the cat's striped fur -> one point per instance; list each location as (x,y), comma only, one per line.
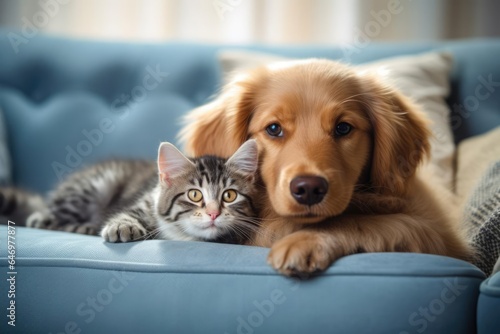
(16,205)
(135,200)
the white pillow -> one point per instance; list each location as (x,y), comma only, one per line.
(423,77)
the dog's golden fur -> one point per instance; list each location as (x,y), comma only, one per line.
(378,198)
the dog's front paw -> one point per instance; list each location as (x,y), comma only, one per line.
(301,254)
(122,229)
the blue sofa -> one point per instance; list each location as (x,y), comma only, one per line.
(67,103)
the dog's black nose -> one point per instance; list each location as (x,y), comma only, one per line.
(308,190)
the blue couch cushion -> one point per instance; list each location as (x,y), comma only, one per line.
(80,282)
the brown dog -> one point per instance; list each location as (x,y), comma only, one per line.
(339,154)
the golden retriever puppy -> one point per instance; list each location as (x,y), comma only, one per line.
(340,155)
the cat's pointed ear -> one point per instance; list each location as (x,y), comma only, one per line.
(171,162)
(246,158)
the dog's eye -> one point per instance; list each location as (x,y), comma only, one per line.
(275,130)
(342,129)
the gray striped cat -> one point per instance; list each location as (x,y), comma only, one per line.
(200,199)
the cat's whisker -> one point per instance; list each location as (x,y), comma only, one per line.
(246,222)
(181,224)
(240,231)
(151,234)
(251,228)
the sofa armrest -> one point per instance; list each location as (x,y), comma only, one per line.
(488,310)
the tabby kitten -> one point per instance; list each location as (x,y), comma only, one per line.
(200,199)
(16,205)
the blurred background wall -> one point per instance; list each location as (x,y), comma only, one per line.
(256,21)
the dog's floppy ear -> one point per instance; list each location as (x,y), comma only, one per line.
(400,138)
(221,126)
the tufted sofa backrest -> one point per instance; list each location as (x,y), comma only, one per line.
(67,102)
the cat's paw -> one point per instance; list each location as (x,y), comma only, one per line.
(42,220)
(122,229)
(301,253)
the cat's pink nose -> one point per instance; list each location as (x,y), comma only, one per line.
(214,215)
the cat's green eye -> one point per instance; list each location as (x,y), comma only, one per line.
(229,196)
(195,195)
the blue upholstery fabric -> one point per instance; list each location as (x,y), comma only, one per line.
(489,306)
(69,103)
(191,287)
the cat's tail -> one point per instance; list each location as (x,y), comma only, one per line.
(17,205)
